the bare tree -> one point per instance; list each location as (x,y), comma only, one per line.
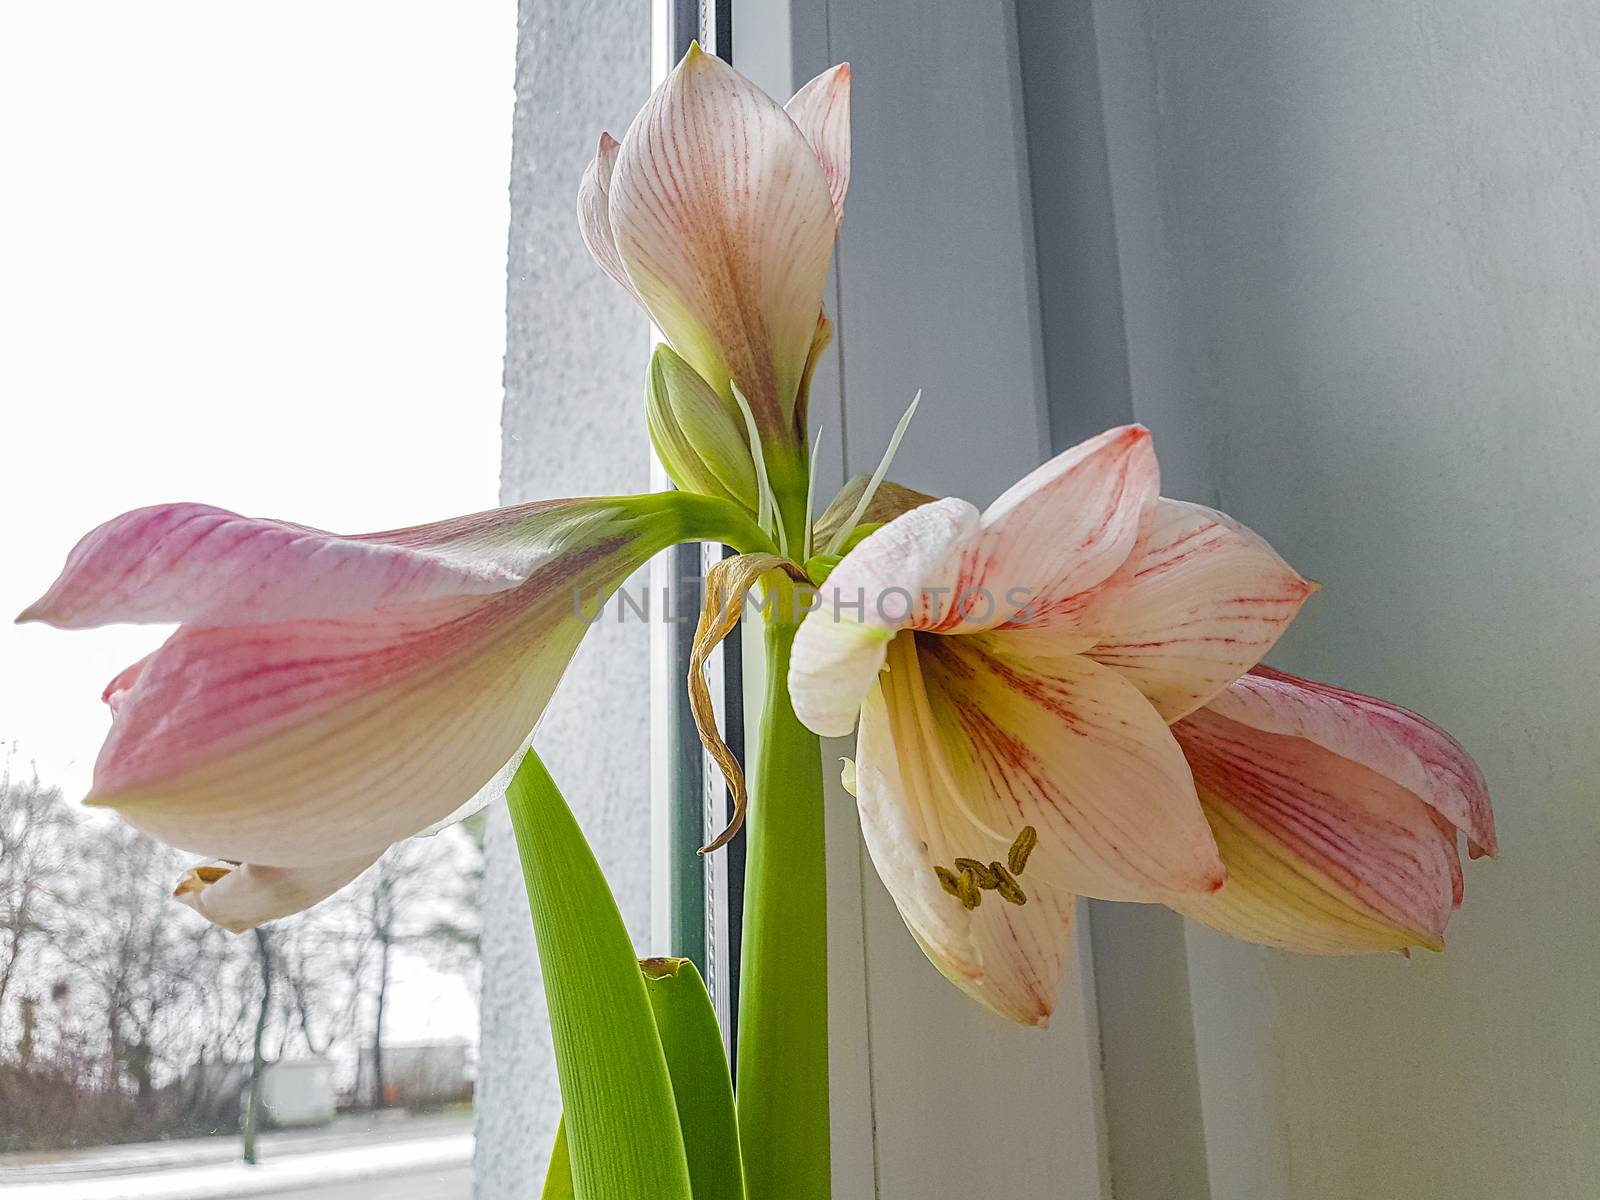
(134,1007)
(139,962)
(33,865)
(258,1062)
(421,895)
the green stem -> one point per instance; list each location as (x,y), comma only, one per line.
(783,1008)
(699,518)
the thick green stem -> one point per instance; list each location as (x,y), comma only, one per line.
(783,1008)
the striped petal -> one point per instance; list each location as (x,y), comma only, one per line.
(240,896)
(1019,737)
(875,590)
(724,223)
(195,563)
(315,741)
(1400,745)
(1059,536)
(1324,855)
(1208,598)
(1009,958)
(594,211)
(822,111)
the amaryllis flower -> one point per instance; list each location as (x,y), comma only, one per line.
(1015,673)
(1337,816)
(718,212)
(326,696)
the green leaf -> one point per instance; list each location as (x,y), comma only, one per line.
(558,1180)
(700,1081)
(621,1120)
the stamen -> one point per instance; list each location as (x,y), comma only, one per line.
(1008,887)
(987,879)
(1017,859)
(948,881)
(967,885)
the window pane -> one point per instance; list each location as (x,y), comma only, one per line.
(256,258)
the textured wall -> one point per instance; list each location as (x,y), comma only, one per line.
(573,425)
(1361,271)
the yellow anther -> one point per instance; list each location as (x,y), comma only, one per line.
(1017,859)
(1008,887)
(986,878)
(948,881)
(967,889)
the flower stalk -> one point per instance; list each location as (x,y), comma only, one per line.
(783,1000)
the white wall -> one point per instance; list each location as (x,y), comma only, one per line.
(576,352)
(1361,278)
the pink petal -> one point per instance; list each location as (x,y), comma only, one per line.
(1393,741)
(240,897)
(1324,856)
(1207,600)
(1053,540)
(1017,737)
(315,741)
(822,111)
(724,222)
(117,690)
(594,211)
(204,565)
(1009,958)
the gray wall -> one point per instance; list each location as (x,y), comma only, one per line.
(576,352)
(1358,263)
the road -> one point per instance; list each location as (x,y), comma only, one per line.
(437,1167)
(453,1184)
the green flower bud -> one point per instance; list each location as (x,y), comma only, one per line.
(702,444)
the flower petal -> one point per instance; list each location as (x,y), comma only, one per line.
(1058,742)
(117,690)
(1207,599)
(205,565)
(312,742)
(594,211)
(874,591)
(1009,958)
(822,111)
(1058,536)
(1324,855)
(724,223)
(238,897)
(1393,741)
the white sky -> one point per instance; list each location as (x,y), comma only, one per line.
(251,255)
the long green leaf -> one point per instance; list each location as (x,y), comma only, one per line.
(620,1117)
(700,1081)
(558,1180)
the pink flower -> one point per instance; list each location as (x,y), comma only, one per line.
(326,696)
(717,211)
(1017,675)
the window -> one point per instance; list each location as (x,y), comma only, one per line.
(254,258)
